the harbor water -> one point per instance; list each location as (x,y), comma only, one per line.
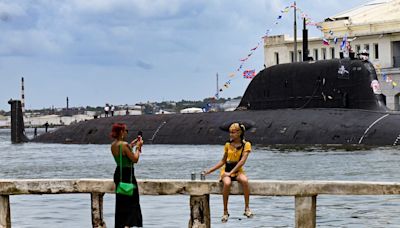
(38,161)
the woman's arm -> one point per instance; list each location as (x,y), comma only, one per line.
(218,165)
(133,155)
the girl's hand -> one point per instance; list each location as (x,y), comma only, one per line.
(206,172)
(227,174)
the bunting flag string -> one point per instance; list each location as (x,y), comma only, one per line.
(386,78)
(250,74)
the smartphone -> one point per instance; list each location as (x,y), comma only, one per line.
(139,135)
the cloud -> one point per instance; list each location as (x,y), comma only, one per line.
(10,9)
(144,65)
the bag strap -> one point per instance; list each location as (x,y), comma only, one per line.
(241,153)
(120,164)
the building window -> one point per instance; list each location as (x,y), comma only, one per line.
(332,52)
(376,51)
(291,56)
(366,47)
(315,54)
(323,53)
(300,56)
(358,48)
(276,58)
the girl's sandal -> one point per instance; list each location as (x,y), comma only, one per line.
(225,218)
(248,213)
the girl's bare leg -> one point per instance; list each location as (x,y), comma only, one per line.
(226,190)
(242,179)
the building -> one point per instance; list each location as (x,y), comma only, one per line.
(374,26)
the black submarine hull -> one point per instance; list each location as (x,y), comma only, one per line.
(265,128)
(324,102)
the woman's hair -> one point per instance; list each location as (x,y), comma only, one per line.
(239,126)
(116,130)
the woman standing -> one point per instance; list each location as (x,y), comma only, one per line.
(127,208)
(236,152)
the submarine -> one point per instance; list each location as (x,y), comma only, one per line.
(326,102)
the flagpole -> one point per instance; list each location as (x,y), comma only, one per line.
(295,33)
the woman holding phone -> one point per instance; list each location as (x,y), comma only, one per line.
(127,208)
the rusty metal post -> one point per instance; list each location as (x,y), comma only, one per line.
(5,215)
(97,210)
(17,122)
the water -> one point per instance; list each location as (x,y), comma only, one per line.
(32,160)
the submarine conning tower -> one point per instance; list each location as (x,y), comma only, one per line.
(337,83)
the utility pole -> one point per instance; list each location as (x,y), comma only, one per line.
(295,32)
(217,94)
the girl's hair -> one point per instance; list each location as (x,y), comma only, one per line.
(116,130)
(242,128)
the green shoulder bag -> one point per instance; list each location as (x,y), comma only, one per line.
(124,188)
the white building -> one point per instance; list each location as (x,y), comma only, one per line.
(374,26)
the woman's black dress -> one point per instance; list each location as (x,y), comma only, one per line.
(127,208)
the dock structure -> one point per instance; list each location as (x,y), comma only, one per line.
(305,193)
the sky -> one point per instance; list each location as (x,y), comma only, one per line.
(130,51)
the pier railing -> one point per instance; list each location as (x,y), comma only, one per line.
(305,193)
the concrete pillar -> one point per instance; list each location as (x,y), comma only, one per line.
(17,122)
(200,211)
(306,207)
(97,210)
(5,215)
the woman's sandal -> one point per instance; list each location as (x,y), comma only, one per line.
(248,213)
(225,218)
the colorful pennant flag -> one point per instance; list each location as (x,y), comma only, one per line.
(344,42)
(249,74)
(384,77)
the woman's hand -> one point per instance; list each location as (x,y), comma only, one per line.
(133,143)
(227,174)
(139,144)
(206,172)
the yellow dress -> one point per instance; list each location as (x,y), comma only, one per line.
(234,156)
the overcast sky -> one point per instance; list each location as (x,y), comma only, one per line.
(130,51)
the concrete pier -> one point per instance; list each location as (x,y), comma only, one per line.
(305,194)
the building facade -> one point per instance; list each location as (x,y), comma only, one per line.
(374,27)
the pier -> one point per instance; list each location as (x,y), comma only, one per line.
(304,192)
